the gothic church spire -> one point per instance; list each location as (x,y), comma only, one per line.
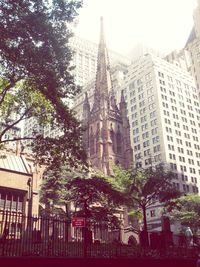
(106,137)
(103,84)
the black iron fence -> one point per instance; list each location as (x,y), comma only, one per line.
(54,236)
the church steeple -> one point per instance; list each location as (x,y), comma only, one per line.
(103,84)
(106,136)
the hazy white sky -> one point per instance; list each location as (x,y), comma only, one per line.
(160,24)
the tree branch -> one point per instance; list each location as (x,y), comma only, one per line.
(17,139)
(5,90)
(3,94)
(14,123)
(137,200)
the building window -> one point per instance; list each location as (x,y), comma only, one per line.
(12,201)
(152,106)
(186,188)
(183,168)
(156,148)
(160,74)
(154,131)
(173,166)
(146,143)
(147,152)
(155,139)
(154,122)
(153,213)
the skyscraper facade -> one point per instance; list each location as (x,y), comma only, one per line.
(10,133)
(193,46)
(85,59)
(164,114)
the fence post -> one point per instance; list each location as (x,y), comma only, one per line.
(5,233)
(85,241)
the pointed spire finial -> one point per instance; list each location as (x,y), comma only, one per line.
(103,83)
(101,30)
(86,101)
(122,97)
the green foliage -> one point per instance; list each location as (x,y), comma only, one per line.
(95,190)
(143,187)
(53,189)
(135,213)
(185,209)
(36,80)
(152,183)
(121,180)
(24,98)
(95,197)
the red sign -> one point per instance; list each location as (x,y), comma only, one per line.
(78,222)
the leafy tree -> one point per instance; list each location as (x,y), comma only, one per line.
(36,80)
(53,192)
(144,187)
(185,209)
(95,198)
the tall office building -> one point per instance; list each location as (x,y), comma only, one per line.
(31,127)
(10,133)
(140,50)
(196,16)
(193,46)
(164,115)
(188,58)
(180,58)
(85,59)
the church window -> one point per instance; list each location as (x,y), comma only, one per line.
(92,148)
(97,136)
(119,141)
(112,137)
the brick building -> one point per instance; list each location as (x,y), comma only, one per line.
(19,183)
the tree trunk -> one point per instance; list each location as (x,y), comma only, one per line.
(144,218)
(144,239)
(66,210)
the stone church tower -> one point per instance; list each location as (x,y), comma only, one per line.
(107,134)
